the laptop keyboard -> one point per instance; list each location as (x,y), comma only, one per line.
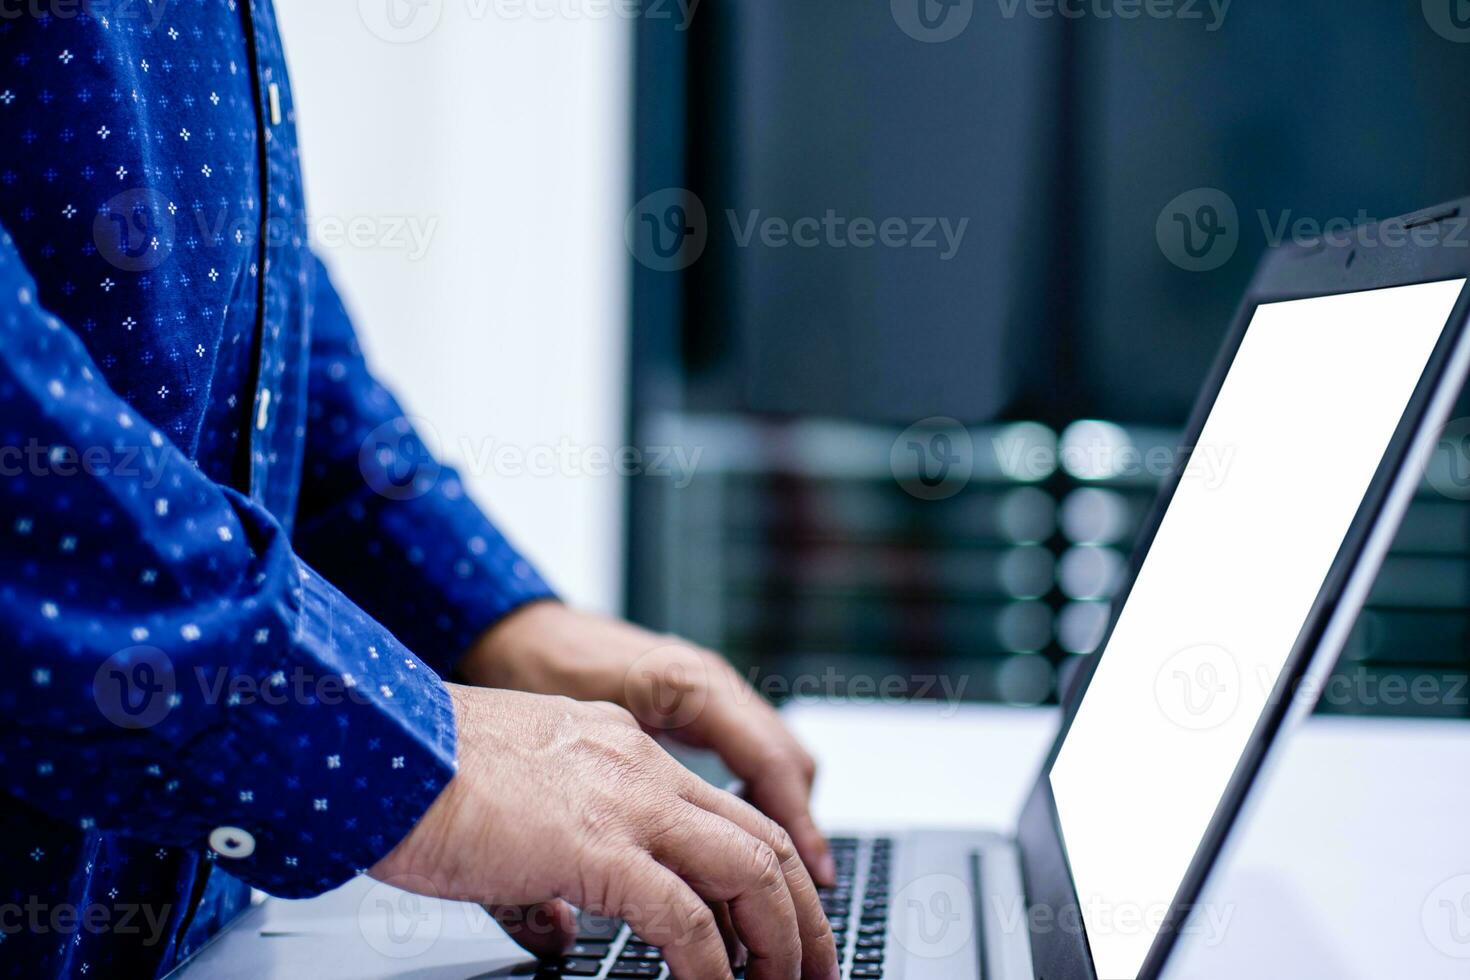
(857,907)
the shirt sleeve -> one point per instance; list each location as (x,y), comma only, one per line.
(177,673)
(384,519)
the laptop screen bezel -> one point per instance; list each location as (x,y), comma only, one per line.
(1434,246)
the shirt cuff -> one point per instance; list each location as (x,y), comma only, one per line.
(311,796)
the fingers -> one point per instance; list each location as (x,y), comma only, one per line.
(733,948)
(697,697)
(544,930)
(818,951)
(785,798)
(665,912)
(778,775)
(723,863)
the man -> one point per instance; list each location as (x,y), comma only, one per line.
(229,615)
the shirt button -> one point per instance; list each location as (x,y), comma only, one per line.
(262,411)
(231,842)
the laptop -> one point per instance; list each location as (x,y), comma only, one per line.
(1327,400)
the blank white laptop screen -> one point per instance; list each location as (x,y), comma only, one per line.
(1310,403)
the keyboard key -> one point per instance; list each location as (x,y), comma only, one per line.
(598,936)
(597,928)
(592,950)
(636,950)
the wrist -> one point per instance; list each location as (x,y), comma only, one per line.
(506,656)
(415,850)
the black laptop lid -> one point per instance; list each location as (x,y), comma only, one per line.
(1342,366)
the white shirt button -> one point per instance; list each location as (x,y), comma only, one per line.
(263,408)
(231,842)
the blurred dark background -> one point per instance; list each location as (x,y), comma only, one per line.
(1065,336)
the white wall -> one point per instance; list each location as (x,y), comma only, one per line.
(501,137)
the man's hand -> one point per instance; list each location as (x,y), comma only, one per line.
(672,688)
(558,801)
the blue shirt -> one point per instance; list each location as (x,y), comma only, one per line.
(231,577)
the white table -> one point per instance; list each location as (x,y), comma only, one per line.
(1352,863)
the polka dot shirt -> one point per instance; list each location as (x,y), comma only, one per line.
(231,576)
